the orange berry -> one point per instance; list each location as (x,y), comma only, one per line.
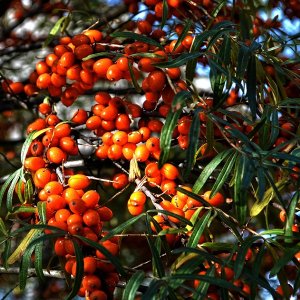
(120,180)
(217,200)
(34,163)
(138,198)
(56,155)
(169,171)
(78,181)
(141,153)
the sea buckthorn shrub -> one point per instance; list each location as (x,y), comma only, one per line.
(155,186)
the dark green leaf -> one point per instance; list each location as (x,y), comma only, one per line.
(218,246)
(3,229)
(209,168)
(261,179)
(241,254)
(122,227)
(59,26)
(153,289)
(178,61)
(105,252)
(28,193)
(291,217)
(227,220)
(169,213)
(136,37)
(24,266)
(133,78)
(224,173)
(225,51)
(243,60)
(6,253)
(203,286)
(284,259)
(193,143)
(184,33)
(10,192)
(41,206)
(211,280)
(198,230)
(79,271)
(251,86)
(38,261)
(157,265)
(269,195)
(6,185)
(133,285)
(166,135)
(244,173)
(102,54)
(164,13)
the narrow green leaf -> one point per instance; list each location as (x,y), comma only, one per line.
(211,280)
(105,252)
(291,217)
(178,61)
(153,289)
(201,290)
(241,254)
(133,285)
(156,260)
(243,60)
(61,24)
(169,213)
(122,227)
(193,143)
(24,266)
(6,253)
(284,259)
(166,135)
(226,219)
(194,218)
(3,229)
(184,33)
(208,170)
(79,271)
(102,54)
(219,246)
(197,44)
(244,173)
(217,76)
(198,230)
(225,51)
(165,13)
(269,195)
(10,192)
(261,179)
(136,37)
(31,136)
(28,193)
(258,260)
(251,86)
(38,261)
(224,173)
(19,190)
(215,12)
(41,206)
(133,78)
(6,185)
(274,128)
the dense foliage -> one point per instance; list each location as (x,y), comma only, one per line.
(163,159)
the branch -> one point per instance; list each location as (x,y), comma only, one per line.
(32,272)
